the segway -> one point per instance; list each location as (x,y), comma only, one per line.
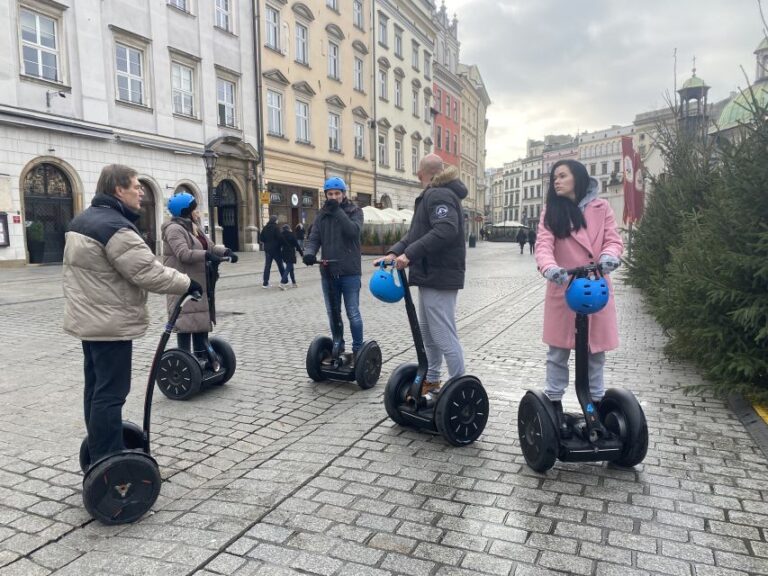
(121,487)
(182,374)
(460,411)
(615,431)
(325,358)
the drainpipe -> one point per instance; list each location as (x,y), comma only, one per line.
(374,125)
(256,25)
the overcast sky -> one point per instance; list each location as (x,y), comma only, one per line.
(562,66)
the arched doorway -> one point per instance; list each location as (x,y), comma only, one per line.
(386,201)
(47,212)
(147,223)
(228,220)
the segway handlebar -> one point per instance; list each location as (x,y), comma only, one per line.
(582,271)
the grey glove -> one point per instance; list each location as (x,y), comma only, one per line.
(609,263)
(557,275)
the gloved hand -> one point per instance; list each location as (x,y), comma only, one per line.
(309,259)
(331,205)
(233,257)
(609,263)
(557,275)
(211,257)
(194,287)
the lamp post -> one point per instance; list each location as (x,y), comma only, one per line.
(209,159)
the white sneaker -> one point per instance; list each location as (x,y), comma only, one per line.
(284,286)
(265,286)
(294,285)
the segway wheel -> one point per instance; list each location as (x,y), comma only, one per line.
(179,375)
(538,433)
(133,439)
(319,350)
(397,389)
(368,365)
(121,488)
(462,410)
(621,413)
(226,357)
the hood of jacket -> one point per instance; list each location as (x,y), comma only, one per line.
(592,190)
(449,178)
(109,201)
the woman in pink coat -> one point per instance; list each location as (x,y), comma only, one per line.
(576,228)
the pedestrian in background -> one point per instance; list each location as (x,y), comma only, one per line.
(186,248)
(575,228)
(531,240)
(299,232)
(107,271)
(270,238)
(288,252)
(336,230)
(521,238)
(434,250)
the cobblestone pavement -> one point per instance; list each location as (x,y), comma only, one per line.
(273,474)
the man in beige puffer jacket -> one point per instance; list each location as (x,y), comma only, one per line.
(108,271)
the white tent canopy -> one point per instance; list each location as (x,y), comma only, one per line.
(509,224)
(373,215)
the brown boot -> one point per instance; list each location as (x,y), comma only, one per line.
(428,387)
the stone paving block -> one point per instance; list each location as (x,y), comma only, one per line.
(225,563)
(393,543)
(316,564)
(464,541)
(664,565)
(565,562)
(410,566)
(741,562)
(555,543)
(606,553)
(24,567)
(606,569)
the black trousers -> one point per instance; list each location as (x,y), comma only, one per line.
(199,341)
(107,383)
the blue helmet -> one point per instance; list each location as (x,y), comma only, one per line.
(180,202)
(385,285)
(335,183)
(587,295)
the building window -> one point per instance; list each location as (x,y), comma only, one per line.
(358,74)
(427,111)
(439,101)
(383,21)
(399,155)
(357,14)
(415,55)
(333,60)
(359,140)
(592,169)
(398,93)
(415,103)
(183,93)
(383,151)
(332,4)
(447,140)
(439,138)
(455,145)
(427,64)
(604,168)
(383,92)
(223,17)
(302,35)
(302,121)
(448,105)
(39,45)
(414,159)
(274,113)
(334,132)
(272,23)
(398,42)
(130,74)
(180,4)
(616,166)
(455,112)
(225,98)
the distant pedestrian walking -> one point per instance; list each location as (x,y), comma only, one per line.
(531,240)
(270,237)
(521,238)
(299,233)
(288,252)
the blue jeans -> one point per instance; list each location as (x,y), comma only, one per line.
(349,287)
(268,267)
(288,273)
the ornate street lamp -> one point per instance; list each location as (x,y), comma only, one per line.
(209,159)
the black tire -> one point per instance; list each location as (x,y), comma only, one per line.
(462,410)
(368,365)
(121,488)
(621,413)
(133,439)
(226,357)
(537,431)
(397,389)
(179,375)
(319,350)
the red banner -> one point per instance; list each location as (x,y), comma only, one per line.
(628,165)
(639,203)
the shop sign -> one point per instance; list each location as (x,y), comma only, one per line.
(306,200)
(294,200)
(275,198)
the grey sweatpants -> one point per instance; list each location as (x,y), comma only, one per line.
(437,320)
(557,373)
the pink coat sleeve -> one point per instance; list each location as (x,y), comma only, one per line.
(545,246)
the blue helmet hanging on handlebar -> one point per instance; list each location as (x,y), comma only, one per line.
(335,183)
(385,285)
(587,295)
(180,202)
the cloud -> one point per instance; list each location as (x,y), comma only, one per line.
(557,66)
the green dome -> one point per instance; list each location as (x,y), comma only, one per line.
(739,109)
(694,82)
(763,45)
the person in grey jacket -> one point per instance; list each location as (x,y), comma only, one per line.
(434,250)
(337,230)
(108,270)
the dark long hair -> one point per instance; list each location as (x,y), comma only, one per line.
(563,214)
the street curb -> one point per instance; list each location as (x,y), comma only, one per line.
(752,421)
